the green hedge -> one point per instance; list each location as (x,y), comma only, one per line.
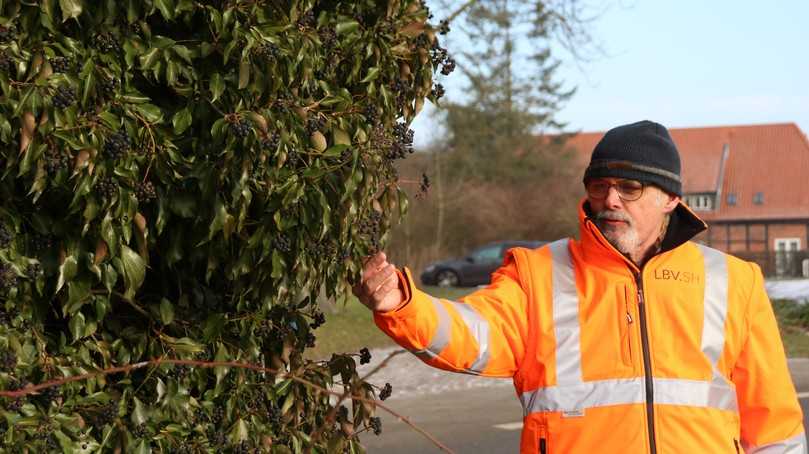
(181,179)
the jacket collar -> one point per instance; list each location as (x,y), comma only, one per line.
(683,226)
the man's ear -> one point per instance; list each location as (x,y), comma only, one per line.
(671,203)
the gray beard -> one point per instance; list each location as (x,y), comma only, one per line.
(626,241)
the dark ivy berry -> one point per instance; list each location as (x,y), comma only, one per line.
(6,64)
(386,391)
(315,124)
(5,237)
(438,54)
(8,278)
(282,243)
(240,128)
(56,160)
(271,141)
(60,64)
(48,395)
(307,20)
(106,414)
(106,43)
(318,320)
(376,425)
(107,188)
(63,98)
(145,192)
(107,86)
(403,142)
(443,27)
(365,356)
(7,33)
(8,361)
(34,270)
(328,37)
(266,51)
(449,66)
(438,91)
(293,159)
(117,145)
(140,431)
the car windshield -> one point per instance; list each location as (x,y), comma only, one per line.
(487,254)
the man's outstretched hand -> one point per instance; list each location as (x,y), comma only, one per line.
(379,287)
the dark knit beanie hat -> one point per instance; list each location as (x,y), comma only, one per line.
(640,151)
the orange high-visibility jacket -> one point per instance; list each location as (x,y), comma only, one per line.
(681,356)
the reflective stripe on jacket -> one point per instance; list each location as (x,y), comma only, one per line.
(683,356)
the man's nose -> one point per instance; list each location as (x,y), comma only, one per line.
(613,199)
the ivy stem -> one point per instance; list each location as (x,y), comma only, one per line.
(33,389)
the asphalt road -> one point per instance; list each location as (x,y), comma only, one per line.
(481,420)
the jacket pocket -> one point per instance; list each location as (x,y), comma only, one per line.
(626,321)
(543,440)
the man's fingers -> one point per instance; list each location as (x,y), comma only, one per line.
(375,261)
(376,265)
(391,283)
(378,278)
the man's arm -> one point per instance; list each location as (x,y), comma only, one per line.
(484,333)
(771,417)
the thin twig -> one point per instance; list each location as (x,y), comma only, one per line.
(383,363)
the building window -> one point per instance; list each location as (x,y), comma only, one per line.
(699,202)
(758,198)
(731,199)
(786,256)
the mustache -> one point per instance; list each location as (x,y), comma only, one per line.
(613,216)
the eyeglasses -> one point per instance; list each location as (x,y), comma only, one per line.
(628,190)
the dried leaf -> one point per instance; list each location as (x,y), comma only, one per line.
(101,252)
(27,130)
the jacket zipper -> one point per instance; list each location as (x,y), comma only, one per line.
(647,365)
(629,322)
(543,440)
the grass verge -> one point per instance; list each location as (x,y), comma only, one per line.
(793,321)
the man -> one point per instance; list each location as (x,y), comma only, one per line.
(631,339)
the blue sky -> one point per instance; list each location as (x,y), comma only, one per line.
(685,63)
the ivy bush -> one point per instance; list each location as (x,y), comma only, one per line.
(183,179)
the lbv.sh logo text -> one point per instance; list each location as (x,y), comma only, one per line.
(686,277)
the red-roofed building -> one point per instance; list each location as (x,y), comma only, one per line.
(749,183)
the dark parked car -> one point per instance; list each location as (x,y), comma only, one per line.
(474,269)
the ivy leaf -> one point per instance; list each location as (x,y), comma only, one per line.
(139,414)
(166,8)
(76,326)
(221,355)
(239,432)
(181,121)
(244,73)
(373,73)
(70,9)
(166,311)
(217,86)
(67,270)
(133,268)
(219,219)
(150,112)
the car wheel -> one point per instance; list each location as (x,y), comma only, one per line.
(447,278)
